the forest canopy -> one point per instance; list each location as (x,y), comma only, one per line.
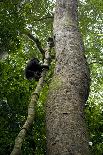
(17,18)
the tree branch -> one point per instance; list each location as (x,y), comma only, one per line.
(43,18)
(36,40)
(38,43)
(31,108)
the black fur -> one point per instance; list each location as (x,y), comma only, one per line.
(34,69)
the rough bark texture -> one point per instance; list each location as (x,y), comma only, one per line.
(66,130)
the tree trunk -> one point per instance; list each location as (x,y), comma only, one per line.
(66,129)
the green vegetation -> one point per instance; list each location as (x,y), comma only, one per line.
(16,49)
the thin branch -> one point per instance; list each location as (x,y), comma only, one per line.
(38,43)
(43,18)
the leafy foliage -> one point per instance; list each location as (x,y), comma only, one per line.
(15,90)
(91,14)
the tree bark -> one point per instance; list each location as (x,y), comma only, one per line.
(65,122)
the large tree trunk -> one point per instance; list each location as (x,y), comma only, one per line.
(66,130)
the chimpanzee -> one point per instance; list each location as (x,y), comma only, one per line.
(34,69)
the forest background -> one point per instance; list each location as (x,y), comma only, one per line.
(16,49)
